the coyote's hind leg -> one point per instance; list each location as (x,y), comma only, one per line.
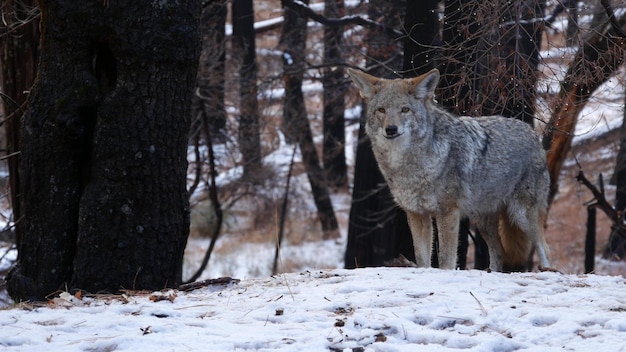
(488,226)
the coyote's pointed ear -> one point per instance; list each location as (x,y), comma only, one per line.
(424,86)
(364,82)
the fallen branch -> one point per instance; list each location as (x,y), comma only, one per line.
(209,282)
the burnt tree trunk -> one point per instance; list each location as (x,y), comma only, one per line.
(616,247)
(420,48)
(18,65)
(458,82)
(293,44)
(509,78)
(421,43)
(378,230)
(244,49)
(334,155)
(104,148)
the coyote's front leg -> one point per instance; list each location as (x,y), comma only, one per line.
(448,234)
(422,233)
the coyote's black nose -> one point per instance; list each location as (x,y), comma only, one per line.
(391,130)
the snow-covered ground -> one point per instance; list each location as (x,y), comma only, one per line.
(323,308)
(377,309)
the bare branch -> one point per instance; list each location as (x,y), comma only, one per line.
(601,201)
(305,11)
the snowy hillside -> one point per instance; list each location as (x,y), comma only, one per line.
(380,309)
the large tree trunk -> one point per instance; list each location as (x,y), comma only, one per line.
(104,148)
(334,154)
(377,231)
(244,49)
(293,44)
(18,65)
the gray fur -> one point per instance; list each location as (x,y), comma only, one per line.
(438,165)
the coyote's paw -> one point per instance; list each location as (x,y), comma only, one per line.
(548,269)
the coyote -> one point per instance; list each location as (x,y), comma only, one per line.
(490,168)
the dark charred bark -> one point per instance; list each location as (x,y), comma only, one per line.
(458,54)
(508,82)
(334,85)
(422,41)
(616,246)
(244,49)
(378,231)
(104,147)
(18,65)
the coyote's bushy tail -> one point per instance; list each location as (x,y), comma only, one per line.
(518,248)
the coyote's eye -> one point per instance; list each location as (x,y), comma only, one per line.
(405,109)
(381,110)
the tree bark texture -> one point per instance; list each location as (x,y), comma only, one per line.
(244,49)
(616,246)
(334,154)
(458,52)
(18,64)
(422,40)
(377,231)
(104,146)
(509,79)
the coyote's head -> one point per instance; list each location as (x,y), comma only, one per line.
(397,106)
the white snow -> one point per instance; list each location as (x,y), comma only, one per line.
(376,309)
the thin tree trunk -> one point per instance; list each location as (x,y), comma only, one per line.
(18,62)
(571,34)
(208,103)
(293,44)
(244,49)
(616,246)
(459,57)
(334,85)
